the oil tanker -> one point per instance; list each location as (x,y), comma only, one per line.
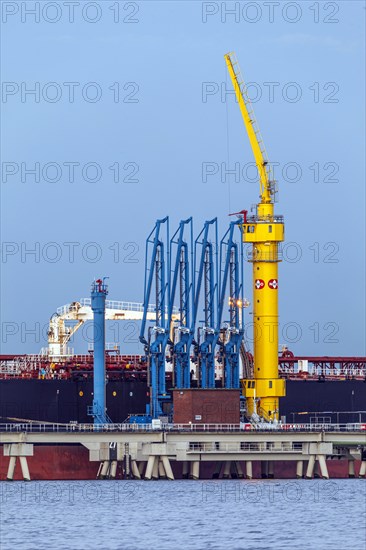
(35,388)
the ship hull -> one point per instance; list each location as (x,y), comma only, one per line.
(71,462)
(66,401)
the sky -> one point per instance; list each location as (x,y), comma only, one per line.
(131,119)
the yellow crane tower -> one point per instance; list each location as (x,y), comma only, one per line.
(265,231)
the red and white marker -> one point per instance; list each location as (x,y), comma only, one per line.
(259,284)
(273,283)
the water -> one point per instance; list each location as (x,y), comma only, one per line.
(187,515)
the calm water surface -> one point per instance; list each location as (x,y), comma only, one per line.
(187,515)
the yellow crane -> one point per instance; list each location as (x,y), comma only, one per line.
(265,231)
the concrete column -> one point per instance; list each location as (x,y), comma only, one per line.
(113,471)
(362,469)
(155,470)
(99,469)
(226,473)
(11,468)
(299,469)
(195,470)
(239,470)
(149,467)
(185,470)
(25,469)
(310,468)
(167,467)
(264,469)
(351,468)
(161,469)
(105,470)
(135,470)
(270,469)
(249,469)
(323,467)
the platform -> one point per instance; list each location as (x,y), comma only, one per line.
(143,449)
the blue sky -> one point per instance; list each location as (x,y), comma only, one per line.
(169,122)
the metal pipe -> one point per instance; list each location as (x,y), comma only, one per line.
(98,297)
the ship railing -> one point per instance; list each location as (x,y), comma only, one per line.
(46,354)
(34,427)
(336,371)
(109,346)
(121,305)
(10,368)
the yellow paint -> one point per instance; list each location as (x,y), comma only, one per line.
(265,231)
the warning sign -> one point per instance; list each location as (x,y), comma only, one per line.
(259,284)
(273,283)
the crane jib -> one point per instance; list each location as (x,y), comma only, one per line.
(267,187)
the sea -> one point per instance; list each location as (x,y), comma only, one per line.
(184,515)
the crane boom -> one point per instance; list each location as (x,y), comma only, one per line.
(267,185)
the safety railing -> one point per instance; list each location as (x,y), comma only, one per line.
(244,446)
(265,219)
(111,304)
(33,427)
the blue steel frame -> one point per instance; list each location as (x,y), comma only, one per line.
(232,254)
(204,349)
(181,346)
(157,338)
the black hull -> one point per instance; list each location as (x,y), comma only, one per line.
(66,400)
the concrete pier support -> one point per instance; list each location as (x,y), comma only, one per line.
(185,470)
(155,470)
(249,469)
(323,467)
(135,470)
(351,468)
(310,468)
(270,469)
(167,467)
(161,470)
(11,468)
(105,470)
(25,469)
(149,467)
(239,470)
(113,469)
(299,469)
(226,473)
(362,469)
(264,469)
(15,451)
(195,470)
